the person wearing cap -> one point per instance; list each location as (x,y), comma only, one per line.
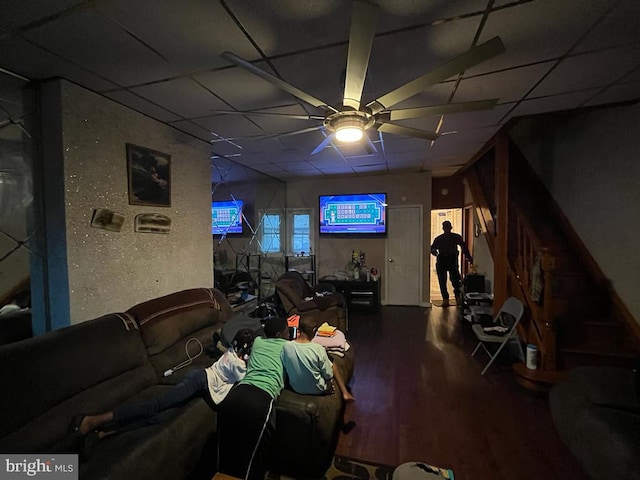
(445,249)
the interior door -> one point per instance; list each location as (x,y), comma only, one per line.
(404,256)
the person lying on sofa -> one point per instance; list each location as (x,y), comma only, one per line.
(246,417)
(308,366)
(215,380)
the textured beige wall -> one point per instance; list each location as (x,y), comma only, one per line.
(111,271)
(334,253)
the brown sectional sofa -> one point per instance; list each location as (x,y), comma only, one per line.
(119,357)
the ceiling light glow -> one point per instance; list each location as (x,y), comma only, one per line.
(349,134)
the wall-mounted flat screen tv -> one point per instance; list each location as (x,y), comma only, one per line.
(226,217)
(362,213)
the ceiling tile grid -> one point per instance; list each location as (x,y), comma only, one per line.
(163,59)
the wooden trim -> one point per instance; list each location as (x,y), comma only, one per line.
(500,260)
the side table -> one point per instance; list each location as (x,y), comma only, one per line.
(359,294)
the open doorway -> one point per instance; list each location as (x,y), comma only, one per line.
(454,215)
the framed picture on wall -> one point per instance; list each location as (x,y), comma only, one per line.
(149,174)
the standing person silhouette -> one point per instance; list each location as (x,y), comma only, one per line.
(445,249)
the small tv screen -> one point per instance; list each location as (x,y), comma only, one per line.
(364,214)
(226,217)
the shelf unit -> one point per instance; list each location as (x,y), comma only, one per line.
(252,264)
(306,265)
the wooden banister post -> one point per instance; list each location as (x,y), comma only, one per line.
(500,263)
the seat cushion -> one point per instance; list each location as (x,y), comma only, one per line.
(170,446)
(87,367)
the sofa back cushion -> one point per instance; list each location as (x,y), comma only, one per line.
(167,323)
(292,289)
(89,367)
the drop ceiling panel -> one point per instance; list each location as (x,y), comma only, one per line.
(24,58)
(182,96)
(298,166)
(312,172)
(554,103)
(400,144)
(402,57)
(366,159)
(435,95)
(16,13)
(460,140)
(507,86)
(156,48)
(192,129)
(275,125)
(408,158)
(141,105)
(577,73)
(111,53)
(428,124)
(283,157)
(318,73)
(227,149)
(539,31)
(460,122)
(304,141)
(261,144)
(370,168)
(204,28)
(242,90)
(397,13)
(249,159)
(344,170)
(292,25)
(228,126)
(616,93)
(619,27)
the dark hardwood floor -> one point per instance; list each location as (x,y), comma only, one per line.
(420,397)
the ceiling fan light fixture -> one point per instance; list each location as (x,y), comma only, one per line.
(349,129)
(349,134)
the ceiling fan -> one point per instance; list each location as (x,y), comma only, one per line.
(349,122)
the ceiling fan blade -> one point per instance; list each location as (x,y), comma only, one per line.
(323,144)
(404,113)
(363,24)
(269,114)
(459,64)
(406,131)
(296,92)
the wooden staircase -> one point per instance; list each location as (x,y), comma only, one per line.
(578,319)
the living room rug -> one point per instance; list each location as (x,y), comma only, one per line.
(345,468)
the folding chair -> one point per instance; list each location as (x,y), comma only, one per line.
(509,316)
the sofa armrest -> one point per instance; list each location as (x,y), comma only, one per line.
(307,430)
(596,403)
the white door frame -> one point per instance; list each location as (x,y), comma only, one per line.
(421,301)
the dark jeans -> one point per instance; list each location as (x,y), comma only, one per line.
(189,387)
(448,264)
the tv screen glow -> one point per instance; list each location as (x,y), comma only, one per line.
(353,214)
(226,217)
